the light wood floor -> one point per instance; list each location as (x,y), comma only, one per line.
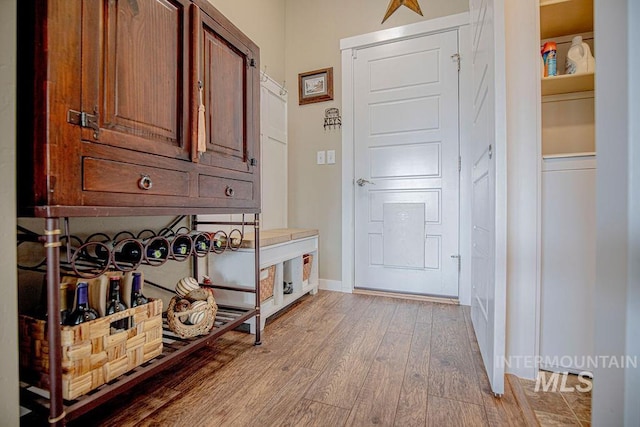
(333,359)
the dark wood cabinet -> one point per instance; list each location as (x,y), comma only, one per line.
(108,112)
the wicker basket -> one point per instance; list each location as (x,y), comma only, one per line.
(186,330)
(267,280)
(91,354)
(307,263)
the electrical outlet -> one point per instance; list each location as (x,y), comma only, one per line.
(320,157)
(331,157)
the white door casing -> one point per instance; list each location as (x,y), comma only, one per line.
(406,153)
(488,264)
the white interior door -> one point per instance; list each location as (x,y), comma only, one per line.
(406,166)
(488,264)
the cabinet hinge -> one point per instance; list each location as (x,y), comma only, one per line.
(84,120)
(253,162)
(252,63)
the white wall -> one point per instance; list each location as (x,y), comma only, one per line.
(616,395)
(8,285)
(263,22)
(632,377)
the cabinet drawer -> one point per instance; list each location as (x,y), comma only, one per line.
(118,177)
(224,188)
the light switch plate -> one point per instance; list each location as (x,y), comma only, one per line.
(331,157)
(320,157)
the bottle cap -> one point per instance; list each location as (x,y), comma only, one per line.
(549,46)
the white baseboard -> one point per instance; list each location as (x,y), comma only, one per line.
(331,285)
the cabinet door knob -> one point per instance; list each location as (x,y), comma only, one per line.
(145,183)
(228,191)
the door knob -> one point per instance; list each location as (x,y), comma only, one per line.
(361,182)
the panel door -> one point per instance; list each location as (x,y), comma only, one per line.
(134,69)
(227,69)
(406,167)
(488,264)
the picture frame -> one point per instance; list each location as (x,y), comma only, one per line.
(315,86)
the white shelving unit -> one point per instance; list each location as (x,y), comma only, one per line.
(285,249)
(568,192)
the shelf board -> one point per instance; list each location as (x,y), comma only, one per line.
(568,83)
(563,17)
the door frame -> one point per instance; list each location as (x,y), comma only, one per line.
(349,48)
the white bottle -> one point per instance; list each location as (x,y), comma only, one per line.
(579,58)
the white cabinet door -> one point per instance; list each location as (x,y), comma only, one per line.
(568,263)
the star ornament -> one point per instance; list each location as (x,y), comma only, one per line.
(395,5)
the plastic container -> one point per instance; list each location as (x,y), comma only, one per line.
(579,59)
(549,53)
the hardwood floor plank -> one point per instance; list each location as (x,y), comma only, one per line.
(308,413)
(404,318)
(451,372)
(504,411)
(145,404)
(279,410)
(378,398)
(343,377)
(425,312)
(412,405)
(447,412)
(220,398)
(341,337)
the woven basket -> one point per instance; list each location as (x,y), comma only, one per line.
(307,263)
(91,353)
(188,331)
(267,280)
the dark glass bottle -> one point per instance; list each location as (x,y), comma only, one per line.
(136,294)
(181,247)
(201,242)
(64,310)
(114,305)
(83,312)
(129,251)
(157,248)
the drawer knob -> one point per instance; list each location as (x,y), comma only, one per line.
(228,191)
(145,182)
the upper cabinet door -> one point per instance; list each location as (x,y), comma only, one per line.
(134,75)
(225,63)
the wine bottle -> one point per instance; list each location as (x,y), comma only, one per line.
(181,247)
(83,312)
(64,309)
(136,293)
(157,248)
(201,242)
(129,251)
(114,305)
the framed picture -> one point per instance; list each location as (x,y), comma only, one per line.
(315,86)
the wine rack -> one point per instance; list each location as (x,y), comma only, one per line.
(98,253)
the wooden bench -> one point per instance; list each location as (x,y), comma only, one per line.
(289,254)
